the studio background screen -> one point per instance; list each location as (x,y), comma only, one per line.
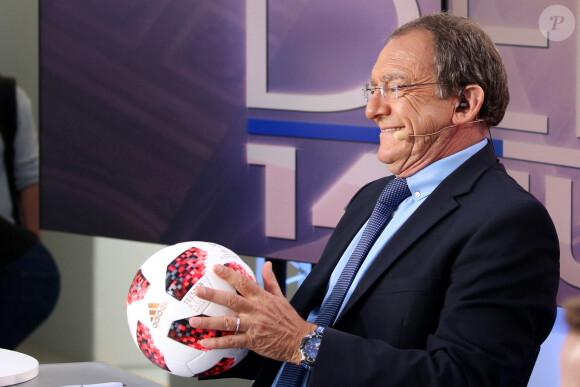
(242,122)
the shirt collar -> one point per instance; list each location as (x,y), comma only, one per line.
(424,182)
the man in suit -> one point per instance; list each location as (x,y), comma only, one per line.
(460,286)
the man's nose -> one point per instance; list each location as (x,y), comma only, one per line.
(376,106)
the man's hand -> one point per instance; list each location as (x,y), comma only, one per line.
(269,325)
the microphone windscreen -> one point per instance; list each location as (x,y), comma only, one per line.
(401,136)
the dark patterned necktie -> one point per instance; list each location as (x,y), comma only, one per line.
(393,194)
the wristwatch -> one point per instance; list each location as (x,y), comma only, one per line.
(309,348)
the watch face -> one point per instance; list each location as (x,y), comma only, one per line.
(311,346)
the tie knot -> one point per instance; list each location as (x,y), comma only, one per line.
(395,192)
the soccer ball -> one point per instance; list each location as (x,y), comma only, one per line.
(161,301)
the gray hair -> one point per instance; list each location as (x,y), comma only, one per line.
(464,55)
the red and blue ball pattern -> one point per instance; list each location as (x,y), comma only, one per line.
(138,288)
(237,267)
(184,333)
(147,346)
(184,271)
(224,364)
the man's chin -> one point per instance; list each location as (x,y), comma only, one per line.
(388,160)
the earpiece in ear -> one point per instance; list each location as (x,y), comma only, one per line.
(462,100)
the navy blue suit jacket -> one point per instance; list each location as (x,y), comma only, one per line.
(463,294)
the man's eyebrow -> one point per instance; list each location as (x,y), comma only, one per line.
(385,79)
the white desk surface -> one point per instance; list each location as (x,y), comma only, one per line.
(62,374)
(16,367)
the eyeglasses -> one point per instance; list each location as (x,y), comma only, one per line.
(389,93)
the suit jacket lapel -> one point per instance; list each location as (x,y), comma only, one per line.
(312,291)
(438,205)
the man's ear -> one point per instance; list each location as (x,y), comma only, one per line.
(468,104)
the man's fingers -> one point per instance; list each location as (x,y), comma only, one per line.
(222,323)
(223,297)
(226,324)
(270,282)
(230,341)
(244,285)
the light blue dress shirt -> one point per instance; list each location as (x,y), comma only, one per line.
(421,185)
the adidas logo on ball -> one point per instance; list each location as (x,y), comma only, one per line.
(156,311)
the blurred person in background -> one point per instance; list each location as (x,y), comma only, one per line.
(29,277)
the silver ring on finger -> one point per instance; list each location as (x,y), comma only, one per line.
(238,321)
